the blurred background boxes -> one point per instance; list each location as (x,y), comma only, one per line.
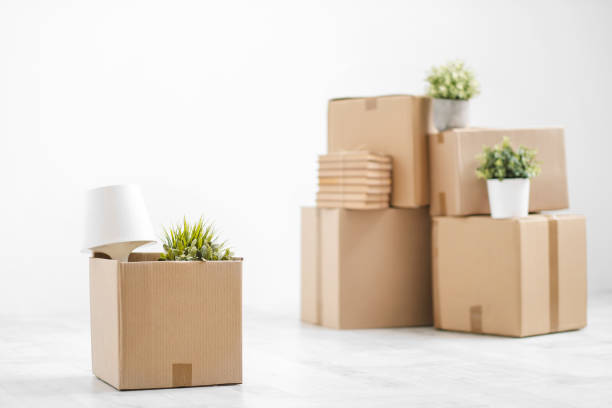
(395,125)
(455,190)
(366,269)
(514,277)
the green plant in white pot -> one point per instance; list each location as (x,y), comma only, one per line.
(451,86)
(507,173)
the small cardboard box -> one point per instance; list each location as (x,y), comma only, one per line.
(513,277)
(366,269)
(455,189)
(166,324)
(395,125)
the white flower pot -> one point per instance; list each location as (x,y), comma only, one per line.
(450,113)
(508,198)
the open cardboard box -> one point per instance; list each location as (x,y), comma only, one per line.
(166,324)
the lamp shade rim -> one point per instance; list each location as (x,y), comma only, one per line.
(88,247)
(116,214)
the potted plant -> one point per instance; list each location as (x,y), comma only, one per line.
(451,86)
(168,320)
(197,242)
(507,173)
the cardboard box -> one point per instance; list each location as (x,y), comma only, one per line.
(455,190)
(166,324)
(396,125)
(513,277)
(366,269)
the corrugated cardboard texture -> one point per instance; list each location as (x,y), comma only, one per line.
(104,309)
(366,269)
(174,323)
(455,190)
(310,281)
(500,276)
(395,125)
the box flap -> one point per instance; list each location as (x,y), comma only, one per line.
(104,311)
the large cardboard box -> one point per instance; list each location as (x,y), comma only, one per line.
(366,269)
(455,190)
(514,277)
(396,125)
(166,324)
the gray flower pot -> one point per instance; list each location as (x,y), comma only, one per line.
(450,113)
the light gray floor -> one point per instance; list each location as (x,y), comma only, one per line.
(45,363)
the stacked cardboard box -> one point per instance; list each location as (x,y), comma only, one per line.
(355,180)
(366,269)
(455,190)
(395,125)
(514,277)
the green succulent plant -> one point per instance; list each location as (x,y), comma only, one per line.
(502,162)
(452,81)
(193,242)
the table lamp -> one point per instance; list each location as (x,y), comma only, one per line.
(116,221)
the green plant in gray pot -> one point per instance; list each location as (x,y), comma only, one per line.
(451,86)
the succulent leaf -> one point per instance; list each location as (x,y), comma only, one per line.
(192,242)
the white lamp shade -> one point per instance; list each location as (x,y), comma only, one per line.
(116,215)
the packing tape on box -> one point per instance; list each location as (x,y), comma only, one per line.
(319,272)
(476,319)
(181,375)
(441,195)
(553,254)
(442,199)
(434,273)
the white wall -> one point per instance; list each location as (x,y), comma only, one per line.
(219,108)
